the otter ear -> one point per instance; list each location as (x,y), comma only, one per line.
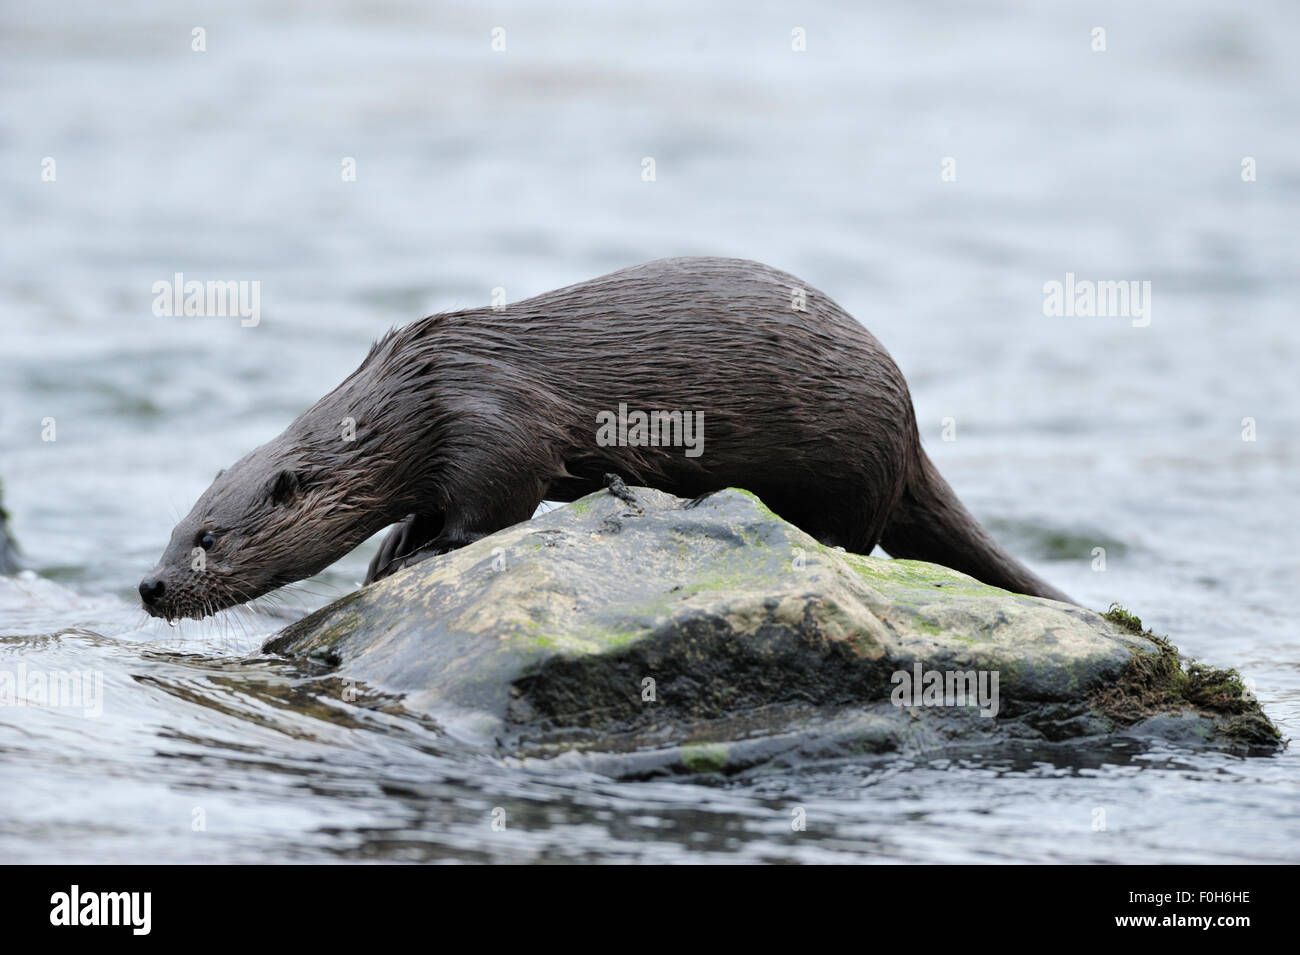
(283,487)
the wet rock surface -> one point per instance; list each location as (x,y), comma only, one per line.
(644,634)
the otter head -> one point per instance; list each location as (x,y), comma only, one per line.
(267,521)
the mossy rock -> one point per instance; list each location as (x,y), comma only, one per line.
(709,636)
(1156,685)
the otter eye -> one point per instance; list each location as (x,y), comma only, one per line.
(206,541)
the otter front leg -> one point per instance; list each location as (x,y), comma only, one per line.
(404,539)
(432,548)
(417,538)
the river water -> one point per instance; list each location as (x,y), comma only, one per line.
(523,170)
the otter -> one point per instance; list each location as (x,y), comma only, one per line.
(462,423)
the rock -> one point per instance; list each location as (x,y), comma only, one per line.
(8,546)
(659,635)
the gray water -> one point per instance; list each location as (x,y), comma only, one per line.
(522,169)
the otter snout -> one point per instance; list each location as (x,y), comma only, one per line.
(156,597)
(151,591)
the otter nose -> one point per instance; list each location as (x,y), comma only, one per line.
(151,590)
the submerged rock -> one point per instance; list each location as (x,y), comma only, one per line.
(8,547)
(651,635)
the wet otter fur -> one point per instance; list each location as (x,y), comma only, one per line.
(460,424)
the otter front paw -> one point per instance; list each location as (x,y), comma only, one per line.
(435,547)
(404,537)
(390,560)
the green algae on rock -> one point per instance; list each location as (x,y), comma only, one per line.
(1153,685)
(709,636)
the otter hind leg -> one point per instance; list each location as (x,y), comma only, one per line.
(851,518)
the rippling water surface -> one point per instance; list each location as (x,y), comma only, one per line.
(522,169)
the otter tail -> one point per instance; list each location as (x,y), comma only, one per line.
(930,524)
